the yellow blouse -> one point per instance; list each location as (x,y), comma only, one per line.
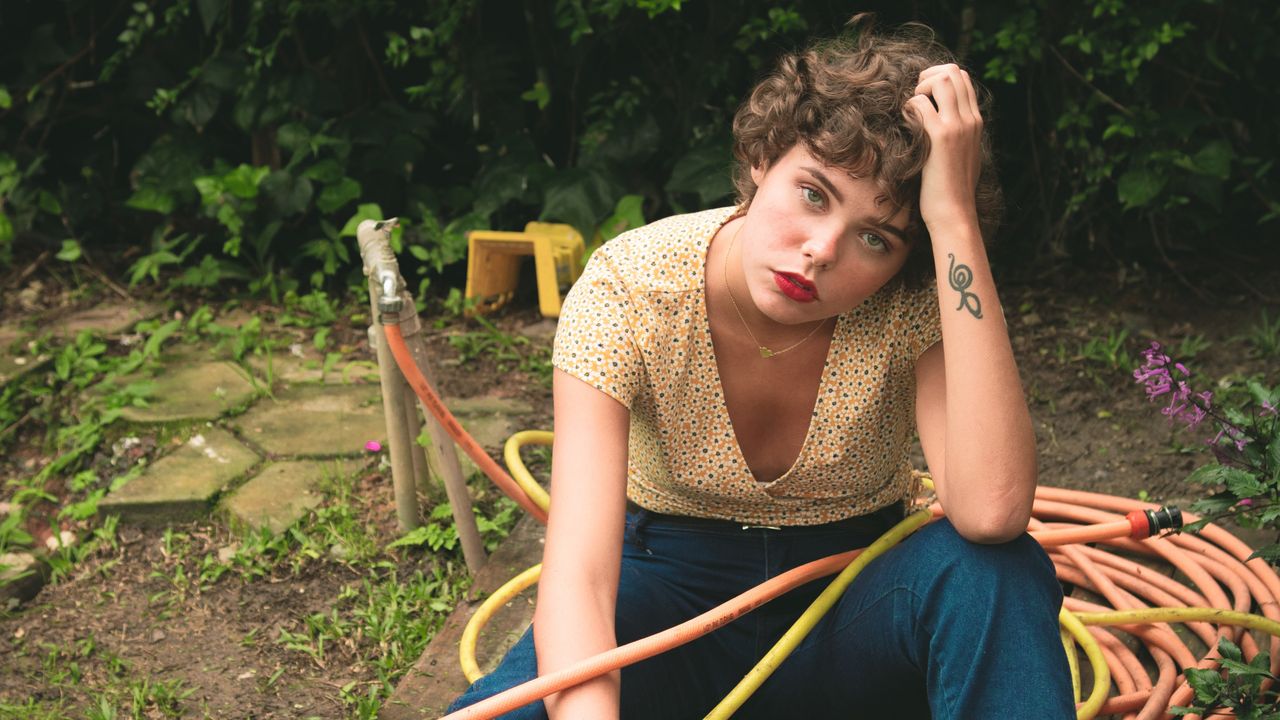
(635,327)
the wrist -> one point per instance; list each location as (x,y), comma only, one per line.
(958,218)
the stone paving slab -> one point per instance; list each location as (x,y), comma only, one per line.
(184,484)
(302,363)
(22,575)
(200,391)
(108,318)
(490,420)
(436,679)
(316,420)
(11,368)
(282,493)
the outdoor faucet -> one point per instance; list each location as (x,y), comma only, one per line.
(373,237)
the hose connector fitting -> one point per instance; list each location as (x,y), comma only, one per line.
(1146,523)
(374,239)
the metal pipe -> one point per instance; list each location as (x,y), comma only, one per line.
(391,304)
(385,304)
(398,441)
(446,457)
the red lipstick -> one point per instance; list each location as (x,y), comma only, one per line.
(795,287)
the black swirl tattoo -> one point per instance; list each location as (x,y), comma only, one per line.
(961,277)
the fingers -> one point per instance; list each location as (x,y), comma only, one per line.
(952,90)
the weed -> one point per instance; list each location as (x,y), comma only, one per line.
(1109,352)
(504,349)
(1264,336)
(1191,346)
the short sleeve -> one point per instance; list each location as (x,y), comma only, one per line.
(594,339)
(924,320)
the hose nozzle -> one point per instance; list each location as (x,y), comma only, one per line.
(1145,523)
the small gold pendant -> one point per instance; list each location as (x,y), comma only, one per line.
(766,352)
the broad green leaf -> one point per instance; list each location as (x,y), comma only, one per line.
(244,180)
(706,172)
(1208,683)
(198,106)
(326,171)
(1270,553)
(1242,483)
(6,229)
(1215,159)
(628,214)
(6,100)
(70,251)
(151,199)
(1210,474)
(1229,650)
(539,94)
(335,196)
(293,136)
(365,211)
(580,197)
(1139,187)
(49,203)
(290,194)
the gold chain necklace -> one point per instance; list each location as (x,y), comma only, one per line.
(764,351)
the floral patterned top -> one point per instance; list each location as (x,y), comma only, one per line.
(635,327)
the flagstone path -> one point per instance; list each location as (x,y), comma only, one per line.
(252,447)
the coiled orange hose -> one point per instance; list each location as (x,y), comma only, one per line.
(1216,564)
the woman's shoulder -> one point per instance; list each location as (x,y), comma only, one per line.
(665,255)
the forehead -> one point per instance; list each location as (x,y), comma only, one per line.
(862,192)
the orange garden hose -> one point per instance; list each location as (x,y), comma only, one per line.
(1222,587)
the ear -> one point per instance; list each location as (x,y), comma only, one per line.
(757,174)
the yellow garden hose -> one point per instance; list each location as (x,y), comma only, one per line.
(790,640)
(520,473)
(1101,672)
(471,633)
(1253,582)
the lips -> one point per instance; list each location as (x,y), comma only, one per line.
(795,287)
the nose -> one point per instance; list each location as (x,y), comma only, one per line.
(822,247)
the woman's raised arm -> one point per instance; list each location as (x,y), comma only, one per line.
(581,560)
(970,410)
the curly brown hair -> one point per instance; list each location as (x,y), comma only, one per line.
(843,99)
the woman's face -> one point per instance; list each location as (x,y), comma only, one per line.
(814,243)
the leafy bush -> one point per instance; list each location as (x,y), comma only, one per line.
(212,141)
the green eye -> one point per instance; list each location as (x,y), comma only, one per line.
(875,242)
(811,196)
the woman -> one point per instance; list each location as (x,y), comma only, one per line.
(735,393)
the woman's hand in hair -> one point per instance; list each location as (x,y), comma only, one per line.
(946,105)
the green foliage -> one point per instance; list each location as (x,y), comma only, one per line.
(1146,142)
(1264,336)
(1236,687)
(244,136)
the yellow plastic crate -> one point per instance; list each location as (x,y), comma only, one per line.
(493,264)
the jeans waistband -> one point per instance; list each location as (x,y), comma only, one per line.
(877,521)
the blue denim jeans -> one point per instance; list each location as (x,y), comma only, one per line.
(936,627)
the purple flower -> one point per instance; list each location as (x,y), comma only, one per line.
(1267,409)
(1193,416)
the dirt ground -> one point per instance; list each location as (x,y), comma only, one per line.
(1095,430)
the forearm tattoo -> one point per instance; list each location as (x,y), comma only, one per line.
(961,277)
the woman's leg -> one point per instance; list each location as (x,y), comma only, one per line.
(668,575)
(972,628)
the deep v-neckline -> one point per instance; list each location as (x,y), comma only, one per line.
(722,409)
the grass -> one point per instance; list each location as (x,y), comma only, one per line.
(373,627)
(1264,336)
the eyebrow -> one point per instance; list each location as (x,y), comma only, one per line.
(895,231)
(825,181)
(822,179)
